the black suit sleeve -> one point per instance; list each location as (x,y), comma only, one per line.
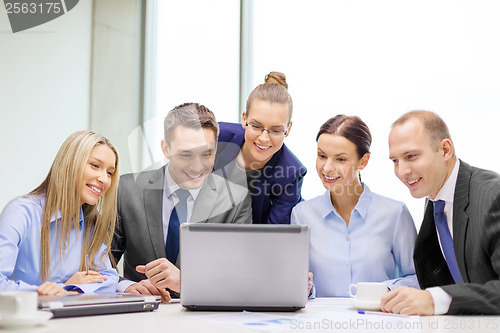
(482,294)
(118,244)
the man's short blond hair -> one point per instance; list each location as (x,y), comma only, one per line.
(433,124)
(191,115)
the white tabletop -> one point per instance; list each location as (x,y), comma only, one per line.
(320,315)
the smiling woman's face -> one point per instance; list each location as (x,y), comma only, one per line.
(97,174)
(259,146)
(338,162)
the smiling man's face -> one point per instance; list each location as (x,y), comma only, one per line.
(192,154)
(417,162)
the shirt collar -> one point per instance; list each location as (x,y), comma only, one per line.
(361,207)
(170,186)
(57,216)
(326,207)
(364,201)
(447,192)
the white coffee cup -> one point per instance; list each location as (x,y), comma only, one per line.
(18,304)
(368,291)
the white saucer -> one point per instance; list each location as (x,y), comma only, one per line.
(364,305)
(40,317)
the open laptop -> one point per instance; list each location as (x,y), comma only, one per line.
(244,267)
(96,304)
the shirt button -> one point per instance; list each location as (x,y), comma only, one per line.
(347,264)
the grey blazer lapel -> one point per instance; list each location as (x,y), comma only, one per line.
(460,217)
(205,201)
(153,199)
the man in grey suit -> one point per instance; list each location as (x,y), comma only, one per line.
(152,205)
(457,250)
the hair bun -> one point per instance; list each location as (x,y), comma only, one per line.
(276,77)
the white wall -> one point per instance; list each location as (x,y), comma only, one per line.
(115,107)
(44,95)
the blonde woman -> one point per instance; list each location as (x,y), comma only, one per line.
(56,239)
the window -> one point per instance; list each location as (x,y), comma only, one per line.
(377,60)
(374,59)
(192,56)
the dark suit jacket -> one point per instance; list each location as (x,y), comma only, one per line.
(139,229)
(476,238)
(278,187)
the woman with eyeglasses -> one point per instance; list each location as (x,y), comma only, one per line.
(356,234)
(254,155)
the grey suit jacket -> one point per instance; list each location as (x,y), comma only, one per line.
(139,228)
(476,240)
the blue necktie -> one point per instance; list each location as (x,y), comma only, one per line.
(446,240)
(178,216)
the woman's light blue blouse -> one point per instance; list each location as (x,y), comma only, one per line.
(377,246)
(20,231)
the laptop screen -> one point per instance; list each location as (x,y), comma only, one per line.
(234,266)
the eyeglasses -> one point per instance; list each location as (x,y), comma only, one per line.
(272,132)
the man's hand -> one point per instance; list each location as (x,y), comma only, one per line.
(51,288)
(83,277)
(145,287)
(162,274)
(408,301)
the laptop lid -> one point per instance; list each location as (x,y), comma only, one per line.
(244,266)
(94,304)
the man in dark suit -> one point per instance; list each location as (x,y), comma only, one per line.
(149,204)
(457,250)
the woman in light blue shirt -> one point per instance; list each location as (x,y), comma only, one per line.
(56,239)
(356,235)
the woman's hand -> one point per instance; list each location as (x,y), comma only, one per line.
(82,277)
(51,288)
(310,283)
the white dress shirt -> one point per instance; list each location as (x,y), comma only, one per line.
(170,199)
